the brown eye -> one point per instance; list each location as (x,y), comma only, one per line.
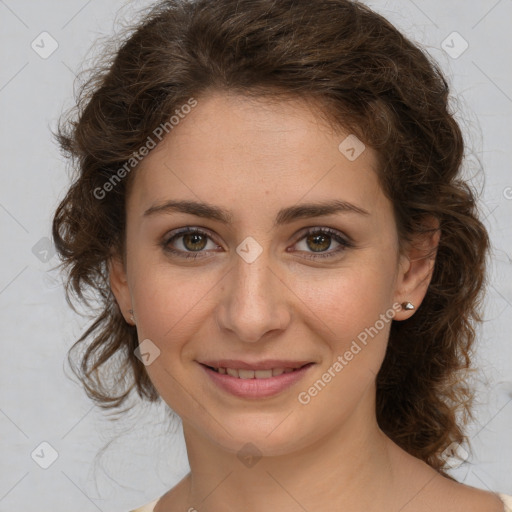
(194,241)
(318,240)
(189,243)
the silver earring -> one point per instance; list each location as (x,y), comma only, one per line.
(408,306)
(131,315)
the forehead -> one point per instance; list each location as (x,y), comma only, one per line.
(238,150)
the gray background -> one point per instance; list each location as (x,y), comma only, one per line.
(39,402)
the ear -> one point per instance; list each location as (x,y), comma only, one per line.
(416,267)
(119,286)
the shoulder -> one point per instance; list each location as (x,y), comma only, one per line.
(446,494)
(465,497)
(435,491)
(149,507)
(476,497)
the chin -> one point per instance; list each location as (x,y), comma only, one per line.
(268,435)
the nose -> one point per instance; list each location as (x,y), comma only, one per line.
(254,301)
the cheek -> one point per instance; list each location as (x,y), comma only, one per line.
(168,299)
(352,316)
(344,301)
(170,305)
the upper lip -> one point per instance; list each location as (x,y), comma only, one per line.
(267,364)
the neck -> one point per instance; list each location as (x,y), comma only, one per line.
(341,470)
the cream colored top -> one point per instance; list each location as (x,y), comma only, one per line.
(149,507)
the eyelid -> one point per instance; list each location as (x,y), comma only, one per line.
(326,230)
(340,237)
(188,230)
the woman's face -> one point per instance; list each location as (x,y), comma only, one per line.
(257,292)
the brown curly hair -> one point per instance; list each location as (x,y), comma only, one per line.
(368,78)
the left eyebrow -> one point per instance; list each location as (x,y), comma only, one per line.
(284,216)
(309,210)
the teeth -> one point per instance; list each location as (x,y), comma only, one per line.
(253,374)
(263,374)
(233,373)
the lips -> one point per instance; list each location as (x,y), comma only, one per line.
(242,373)
(254,370)
(259,379)
(267,364)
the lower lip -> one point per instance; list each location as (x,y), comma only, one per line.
(256,388)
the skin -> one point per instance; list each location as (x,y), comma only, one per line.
(254,158)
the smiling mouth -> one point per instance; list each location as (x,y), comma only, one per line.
(241,373)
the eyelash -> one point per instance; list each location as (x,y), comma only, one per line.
(344,244)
